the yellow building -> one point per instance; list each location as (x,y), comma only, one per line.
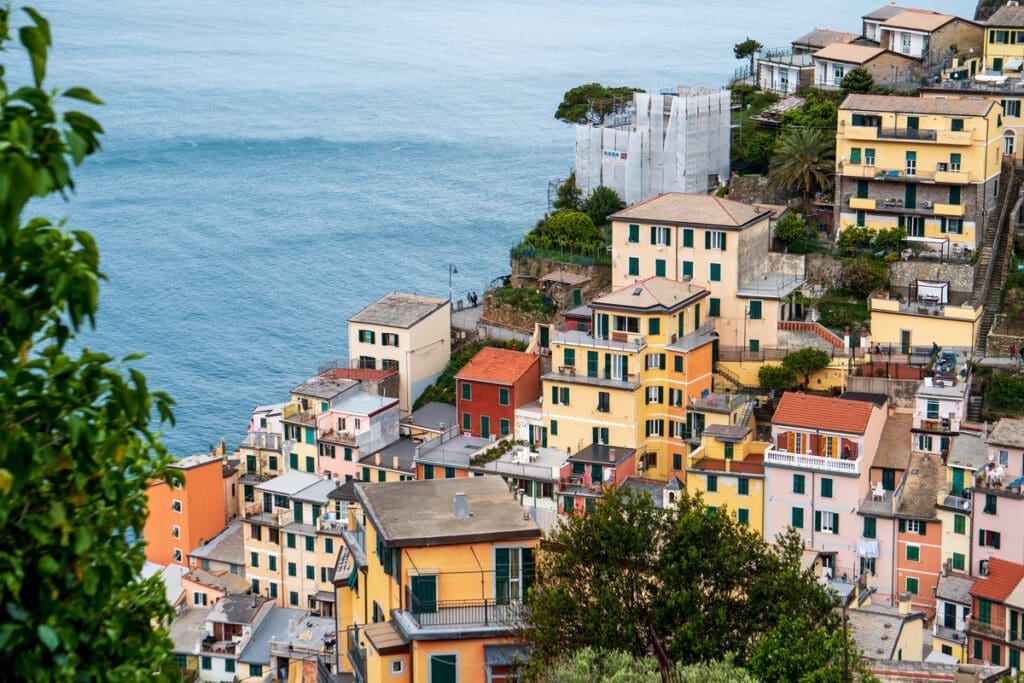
(628,381)
(931,166)
(728,468)
(1004,42)
(438,571)
(309,400)
(717,244)
(915,322)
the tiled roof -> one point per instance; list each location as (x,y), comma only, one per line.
(1003,577)
(968,451)
(691,209)
(917,105)
(918,20)
(655,294)
(849,53)
(1008,432)
(499,366)
(398,309)
(894,447)
(1007,15)
(885,12)
(820,37)
(876,630)
(565,278)
(359,374)
(955,588)
(923,480)
(822,412)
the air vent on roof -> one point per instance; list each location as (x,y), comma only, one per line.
(637,291)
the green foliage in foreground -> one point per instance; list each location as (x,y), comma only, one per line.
(796,235)
(76,448)
(443,389)
(567,230)
(612,666)
(689,585)
(601,203)
(591,96)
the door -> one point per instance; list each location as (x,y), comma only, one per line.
(958,481)
(513,574)
(911,194)
(913,123)
(444,668)
(949,615)
(544,437)
(659,267)
(696,316)
(904,341)
(268,503)
(424,594)
(577,297)
(544,335)
(485,427)
(889,480)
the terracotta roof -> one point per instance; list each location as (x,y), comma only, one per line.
(1008,432)
(820,37)
(917,105)
(499,366)
(681,208)
(918,20)
(822,412)
(360,374)
(654,294)
(849,53)
(1003,577)
(1007,15)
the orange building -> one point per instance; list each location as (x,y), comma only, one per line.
(182,516)
(919,538)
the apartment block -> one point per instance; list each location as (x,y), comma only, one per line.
(998,500)
(491,386)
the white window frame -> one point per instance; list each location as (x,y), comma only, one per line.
(718,240)
(1013,110)
(178,555)
(652,395)
(913,526)
(654,427)
(676,429)
(176,506)
(655,361)
(621,323)
(1004,458)
(828,522)
(396,666)
(830,446)
(905,43)
(798,437)
(620,367)
(869,160)
(661,236)
(175,531)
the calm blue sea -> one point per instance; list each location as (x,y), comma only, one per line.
(272,167)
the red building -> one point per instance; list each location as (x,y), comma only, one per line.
(585,475)
(997,615)
(490,388)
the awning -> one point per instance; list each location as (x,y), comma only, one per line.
(1013,64)
(324,596)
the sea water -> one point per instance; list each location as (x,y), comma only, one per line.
(270,168)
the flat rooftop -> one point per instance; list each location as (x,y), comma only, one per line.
(289,483)
(362,403)
(193,461)
(600,454)
(398,309)
(771,286)
(454,451)
(420,513)
(228,546)
(923,481)
(324,388)
(404,449)
(542,464)
(435,417)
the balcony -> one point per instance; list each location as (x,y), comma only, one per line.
(817,463)
(882,503)
(862,203)
(465,613)
(859,132)
(218,647)
(356,654)
(949,210)
(987,628)
(279,517)
(331,526)
(618,341)
(907,134)
(953,177)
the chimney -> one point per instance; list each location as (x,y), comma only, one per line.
(460,506)
(904,604)
(394,461)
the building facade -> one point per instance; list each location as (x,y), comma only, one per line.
(491,386)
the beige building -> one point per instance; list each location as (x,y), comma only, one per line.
(717,244)
(407,332)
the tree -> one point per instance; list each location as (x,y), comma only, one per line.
(747,50)
(568,195)
(819,110)
(76,446)
(443,388)
(863,275)
(568,231)
(858,80)
(798,651)
(759,148)
(852,239)
(613,666)
(776,378)
(803,162)
(806,362)
(591,97)
(602,202)
(792,231)
(890,239)
(685,584)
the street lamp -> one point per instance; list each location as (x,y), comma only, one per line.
(452,270)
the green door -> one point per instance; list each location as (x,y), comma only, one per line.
(958,481)
(501,576)
(577,297)
(889,479)
(911,197)
(444,668)
(913,123)
(544,332)
(659,268)
(424,593)
(544,437)
(485,427)
(696,316)
(905,341)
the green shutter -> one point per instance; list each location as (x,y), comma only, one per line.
(424,593)
(707,239)
(654,326)
(568,358)
(634,233)
(817,520)
(870,527)
(659,267)
(954,195)
(959,524)
(687,268)
(501,575)
(687,237)
(755,310)
(677,363)
(798,518)
(855,155)
(724,237)
(826,487)
(591,363)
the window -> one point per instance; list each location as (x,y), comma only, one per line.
(932,410)
(290,540)
(560,396)
(600,435)
(366,336)
(626,323)
(273,589)
(913,553)
(826,487)
(661,236)
(954,163)
(855,155)
(754,345)
(654,428)
(797,518)
(310,460)
(959,561)
(915,527)
(799,482)
(999,38)
(714,239)
(293,598)
(467,391)
(292,569)
(467,422)
(388,339)
(712,483)
(1009,142)
(634,233)
(954,195)
(603,401)
(633,267)
(870,527)
(905,43)
(382,475)
(991,503)
(677,362)
(826,522)
(1011,108)
(867,565)
(503,397)
(997,654)
(687,237)
(959,524)
(869,157)
(989,539)
(755,310)
(554,428)
(715,308)
(176,506)
(977,649)
(912,585)
(924,442)
(956,125)
(207,663)
(329,546)
(176,531)
(715,272)
(272,563)
(743,487)
(861,218)
(397,666)
(677,461)
(687,268)
(310,572)
(743,516)
(655,361)
(254,559)
(449,472)
(504,426)
(911,163)
(388,364)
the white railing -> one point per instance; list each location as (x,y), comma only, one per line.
(820,463)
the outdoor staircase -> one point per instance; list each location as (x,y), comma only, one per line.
(990,274)
(730,377)
(816,328)
(747,411)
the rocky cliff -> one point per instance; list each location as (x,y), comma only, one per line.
(986,8)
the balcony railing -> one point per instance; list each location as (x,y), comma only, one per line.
(906,134)
(279,517)
(987,627)
(465,613)
(819,463)
(356,654)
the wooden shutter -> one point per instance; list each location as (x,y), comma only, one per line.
(501,576)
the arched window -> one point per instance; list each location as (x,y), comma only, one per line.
(1009,142)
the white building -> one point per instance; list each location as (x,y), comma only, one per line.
(664,143)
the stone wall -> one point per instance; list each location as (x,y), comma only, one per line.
(959,275)
(825,269)
(753,189)
(795,264)
(967,36)
(1000,339)
(901,392)
(504,315)
(527,272)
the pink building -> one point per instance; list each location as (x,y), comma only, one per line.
(356,424)
(817,471)
(584,475)
(998,498)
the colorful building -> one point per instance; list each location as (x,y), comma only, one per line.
(301,417)
(262,456)
(716,244)
(998,497)
(629,381)
(438,574)
(357,424)
(491,386)
(931,166)
(585,475)
(997,615)
(953,604)
(1004,42)
(832,63)
(183,515)
(919,538)
(816,472)
(410,333)
(783,71)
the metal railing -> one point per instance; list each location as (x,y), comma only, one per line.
(906,133)
(464,612)
(987,627)
(356,654)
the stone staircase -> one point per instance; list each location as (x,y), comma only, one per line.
(990,273)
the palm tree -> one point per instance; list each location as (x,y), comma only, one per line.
(804,161)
